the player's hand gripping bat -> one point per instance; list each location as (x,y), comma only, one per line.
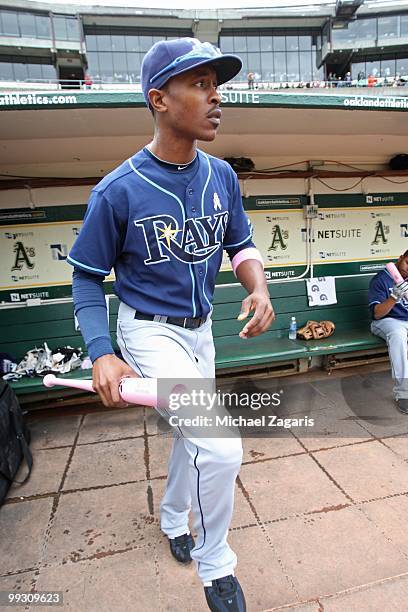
(142,391)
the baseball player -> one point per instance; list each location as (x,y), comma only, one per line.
(161,220)
(388,304)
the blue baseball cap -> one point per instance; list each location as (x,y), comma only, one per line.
(170,57)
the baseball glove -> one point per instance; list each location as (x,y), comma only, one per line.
(316,331)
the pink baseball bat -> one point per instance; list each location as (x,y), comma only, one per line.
(142,391)
(395,273)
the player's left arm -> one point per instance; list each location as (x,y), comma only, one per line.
(250,274)
(247,265)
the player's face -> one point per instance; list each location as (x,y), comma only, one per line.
(192,104)
(402,265)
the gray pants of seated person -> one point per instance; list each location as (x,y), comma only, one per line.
(395,332)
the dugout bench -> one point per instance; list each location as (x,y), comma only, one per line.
(271,353)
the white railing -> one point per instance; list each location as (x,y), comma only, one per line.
(337,87)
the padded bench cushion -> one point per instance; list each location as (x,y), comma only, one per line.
(343,341)
(23,328)
(234,351)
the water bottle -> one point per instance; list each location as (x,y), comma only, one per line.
(292,329)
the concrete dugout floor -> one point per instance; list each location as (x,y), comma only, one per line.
(320,519)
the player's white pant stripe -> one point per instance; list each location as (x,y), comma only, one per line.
(199,501)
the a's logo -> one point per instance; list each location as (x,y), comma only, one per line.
(278,238)
(59,252)
(369,199)
(404,230)
(75,231)
(15,297)
(380,232)
(193,243)
(216,201)
(23,255)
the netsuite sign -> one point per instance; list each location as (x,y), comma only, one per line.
(372,199)
(239,97)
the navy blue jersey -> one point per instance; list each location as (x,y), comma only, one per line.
(163,231)
(379,291)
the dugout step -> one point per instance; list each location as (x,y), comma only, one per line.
(355,358)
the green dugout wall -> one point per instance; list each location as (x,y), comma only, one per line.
(352,234)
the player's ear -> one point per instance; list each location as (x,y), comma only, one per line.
(156,98)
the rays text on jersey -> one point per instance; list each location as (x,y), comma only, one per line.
(194,242)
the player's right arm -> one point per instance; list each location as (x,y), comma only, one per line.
(93,256)
(380,301)
(90,309)
(381,310)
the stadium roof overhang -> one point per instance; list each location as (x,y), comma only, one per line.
(346,9)
(89,141)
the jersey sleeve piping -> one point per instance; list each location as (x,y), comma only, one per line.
(74,262)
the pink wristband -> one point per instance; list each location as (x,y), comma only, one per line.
(249,253)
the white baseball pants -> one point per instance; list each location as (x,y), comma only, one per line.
(201,471)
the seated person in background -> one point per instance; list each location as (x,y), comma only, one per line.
(389,313)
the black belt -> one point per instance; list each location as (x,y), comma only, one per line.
(186,322)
